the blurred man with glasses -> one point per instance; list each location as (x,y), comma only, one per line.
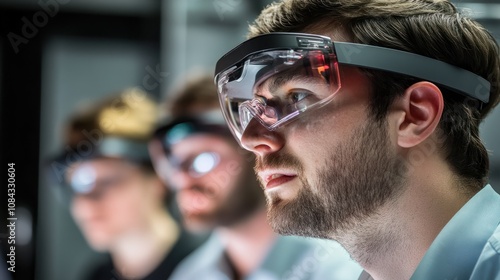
(106,178)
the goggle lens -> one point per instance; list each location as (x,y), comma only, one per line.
(274,87)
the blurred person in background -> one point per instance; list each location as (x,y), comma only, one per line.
(216,189)
(114,195)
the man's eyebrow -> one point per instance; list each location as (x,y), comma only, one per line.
(280,81)
(274,83)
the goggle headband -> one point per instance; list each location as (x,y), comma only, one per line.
(182,127)
(366,56)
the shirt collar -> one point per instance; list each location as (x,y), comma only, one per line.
(454,252)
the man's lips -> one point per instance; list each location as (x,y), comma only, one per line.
(275,178)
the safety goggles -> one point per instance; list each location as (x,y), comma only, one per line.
(196,165)
(175,130)
(83,181)
(276,77)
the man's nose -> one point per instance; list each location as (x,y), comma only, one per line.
(261,141)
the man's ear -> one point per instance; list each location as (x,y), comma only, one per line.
(422,105)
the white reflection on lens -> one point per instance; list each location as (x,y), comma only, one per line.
(204,163)
(83,179)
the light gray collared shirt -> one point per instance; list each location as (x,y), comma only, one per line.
(468,247)
(290,258)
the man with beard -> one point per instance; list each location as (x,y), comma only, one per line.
(364,118)
(116,199)
(216,189)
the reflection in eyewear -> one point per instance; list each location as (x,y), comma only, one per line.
(204,163)
(83,180)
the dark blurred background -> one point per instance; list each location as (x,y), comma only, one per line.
(58,55)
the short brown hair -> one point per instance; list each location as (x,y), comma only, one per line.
(434,28)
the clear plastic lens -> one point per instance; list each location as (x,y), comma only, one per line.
(267,115)
(196,166)
(275,87)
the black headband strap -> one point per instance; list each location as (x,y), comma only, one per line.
(366,56)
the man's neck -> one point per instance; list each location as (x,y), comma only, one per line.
(391,243)
(138,253)
(248,242)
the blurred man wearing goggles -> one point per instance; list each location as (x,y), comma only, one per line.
(364,119)
(216,190)
(118,202)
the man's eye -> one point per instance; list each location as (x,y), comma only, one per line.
(297,96)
